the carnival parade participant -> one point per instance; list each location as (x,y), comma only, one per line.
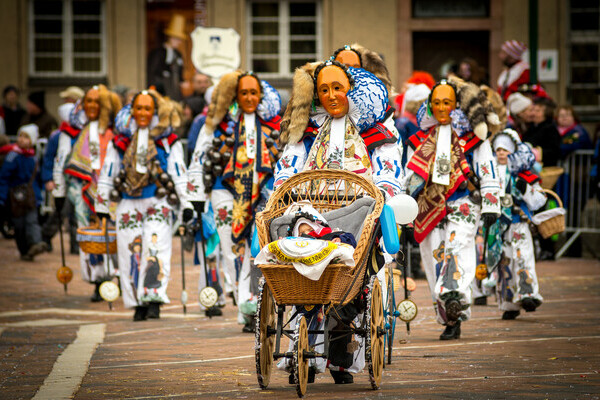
(511,246)
(232,167)
(451,174)
(78,162)
(145,172)
(337,119)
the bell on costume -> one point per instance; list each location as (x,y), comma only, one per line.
(170,186)
(217,142)
(164,178)
(218,170)
(114,195)
(275,134)
(172,199)
(160,192)
(207,166)
(269,142)
(117,181)
(216,157)
(226,156)
(230,141)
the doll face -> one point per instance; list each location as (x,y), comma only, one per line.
(348,58)
(143,110)
(304,229)
(248,94)
(91,104)
(332,86)
(502,156)
(443,101)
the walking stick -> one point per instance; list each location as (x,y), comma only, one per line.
(208,296)
(184,295)
(64,273)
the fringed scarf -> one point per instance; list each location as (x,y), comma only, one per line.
(240,178)
(432,198)
(135,158)
(79,164)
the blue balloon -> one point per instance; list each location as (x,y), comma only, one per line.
(255,245)
(389,230)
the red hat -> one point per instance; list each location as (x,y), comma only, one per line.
(514,48)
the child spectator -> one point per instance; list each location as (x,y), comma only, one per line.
(573,135)
(20,196)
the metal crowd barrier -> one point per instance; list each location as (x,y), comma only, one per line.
(577,193)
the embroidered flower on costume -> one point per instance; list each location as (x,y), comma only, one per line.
(191,187)
(464,209)
(125,218)
(139,216)
(151,211)
(491,198)
(222,214)
(101,200)
(165,211)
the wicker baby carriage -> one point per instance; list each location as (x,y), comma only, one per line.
(353,204)
(552,221)
(92,239)
(550,176)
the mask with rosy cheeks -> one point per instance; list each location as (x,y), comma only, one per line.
(443,101)
(91,104)
(143,110)
(248,94)
(348,58)
(332,86)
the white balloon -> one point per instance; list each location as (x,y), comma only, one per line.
(405,208)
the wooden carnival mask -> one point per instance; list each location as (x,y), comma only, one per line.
(143,109)
(248,93)
(91,104)
(443,101)
(332,86)
(348,58)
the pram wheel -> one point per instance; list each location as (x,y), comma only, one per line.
(264,341)
(389,312)
(375,333)
(300,363)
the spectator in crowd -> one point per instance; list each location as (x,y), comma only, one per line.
(165,64)
(520,110)
(19,194)
(416,78)
(13,112)
(200,84)
(543,132)
(192,107)
(516,70)
(470,71)
(407,125)
(72,94)
(573,134)
(37,114)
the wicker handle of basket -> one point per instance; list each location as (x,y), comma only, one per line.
(553,194)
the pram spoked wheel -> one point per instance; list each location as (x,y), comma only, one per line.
(300,363)
(265,334)
(375,332)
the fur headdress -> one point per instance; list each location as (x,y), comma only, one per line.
(223,96)
(474,103)
(110,104)
(169,114)
(498,106)
(297,111)
(372,62)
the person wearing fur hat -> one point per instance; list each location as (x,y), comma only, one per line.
(19,170)
(510,245)
(451,174)
(144,171)
(77,165)
(37,114)
(516,70)
(232,167)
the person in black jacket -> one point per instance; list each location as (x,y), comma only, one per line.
(543,132)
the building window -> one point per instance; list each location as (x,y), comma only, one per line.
(584,60)
(67,38)
(450,9)
(282,35)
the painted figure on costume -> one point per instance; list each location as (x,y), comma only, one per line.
(77,165)
(135,248)
(451,174)
(232,167)
(512,244)
(145,173)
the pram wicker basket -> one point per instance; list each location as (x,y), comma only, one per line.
(92,239)
(326,190)
(553,225)
(550,176)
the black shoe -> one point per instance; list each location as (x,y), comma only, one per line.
(529,304)
(96,296)
(451,332)
(141,313)
(26,257)
(480,301)
(37,248)
(230,294)
(546,256)
(154,310)
(341,377)
(248,328)
(453,310)
(213,312)
(511,314)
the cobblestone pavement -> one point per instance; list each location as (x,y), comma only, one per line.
(49,337)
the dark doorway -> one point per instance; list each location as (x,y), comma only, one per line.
(433,50)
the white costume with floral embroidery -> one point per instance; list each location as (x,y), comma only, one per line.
(144,224)
(448,250)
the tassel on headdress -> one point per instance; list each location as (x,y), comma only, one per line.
(474,103)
